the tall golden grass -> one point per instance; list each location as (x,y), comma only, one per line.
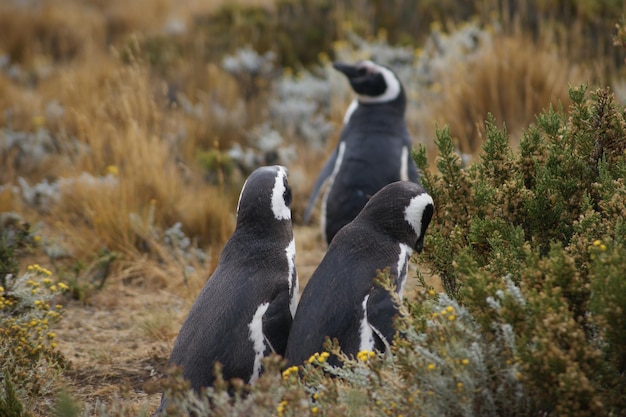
(514,79)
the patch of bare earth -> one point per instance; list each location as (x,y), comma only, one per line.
(123,337)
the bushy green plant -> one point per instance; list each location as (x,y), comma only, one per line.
(29,359)
(551,218)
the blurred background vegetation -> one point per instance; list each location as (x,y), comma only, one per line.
(128,127)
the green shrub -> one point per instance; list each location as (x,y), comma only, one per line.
(29,359)
(550,217)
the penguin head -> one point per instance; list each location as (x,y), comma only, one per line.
(265,197)
(372,82)
(402,210)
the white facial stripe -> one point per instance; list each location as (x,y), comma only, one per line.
(331,180)
(405,254)
(257,339)
(351,109)
(365,331)
(415,210)
(280,209)
(404,165)
(292,277)
(393,86)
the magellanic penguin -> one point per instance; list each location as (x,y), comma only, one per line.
(374,147)
(341,300)
(245,310)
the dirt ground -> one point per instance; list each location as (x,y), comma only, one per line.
(123,337)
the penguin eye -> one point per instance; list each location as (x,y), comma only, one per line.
(287,194)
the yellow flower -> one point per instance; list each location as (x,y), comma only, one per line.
(1,288)
(443,312)
(431,366)
(450,309)
(112,170)
(53,288)
(364,355)
(451,317)
(313,357)
(603,247)
(36,238)
(465,361)
(47,281)
(431,292)
(51,335)
(291,370)
(63,286)
(323,356)
(280,408)
(459,385)
(597,242)
(38,121)
(315,410)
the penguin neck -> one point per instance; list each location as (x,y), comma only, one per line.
(260,230)
(374,116)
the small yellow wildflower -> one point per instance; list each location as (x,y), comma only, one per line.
(451,317)
(1,288)
(364,355)
(431,366)
(431,292)
(63,286)
(58,307)
(36,238)
(323,356)
(291,370)
(53,288)
(315,410)
(51,335)
(465,361)
(112,170)
(443,312)
(47,281)
(280,408)
(459,385)
(53,345)
(38,120)
(597,242)
(450,309)
(603,247)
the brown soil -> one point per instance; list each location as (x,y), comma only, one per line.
(122,338)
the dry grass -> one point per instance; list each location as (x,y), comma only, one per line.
(514,79)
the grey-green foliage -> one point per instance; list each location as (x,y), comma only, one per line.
(551,216)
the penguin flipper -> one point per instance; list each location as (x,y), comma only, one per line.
(412,169)
(321,179)
(381,311)
(277,323)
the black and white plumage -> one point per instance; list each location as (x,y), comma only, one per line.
(341,300)
(374,147)
(245,310)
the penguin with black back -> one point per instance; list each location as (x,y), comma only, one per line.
(245,310)
(374,147)
(342,300)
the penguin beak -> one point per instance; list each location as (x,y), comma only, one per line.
(419,245)
(349,71)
